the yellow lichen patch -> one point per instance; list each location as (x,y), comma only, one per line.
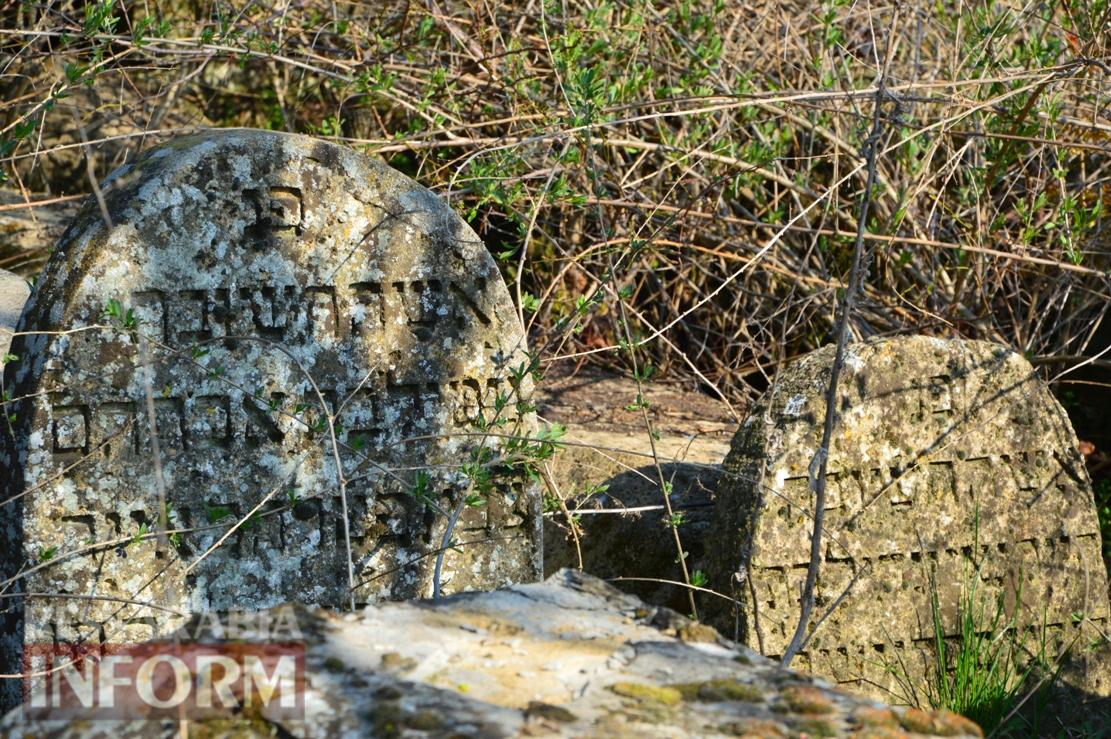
(806,699)
(394,660)
(648,693)
(938,723)
(696,632)
(754,728)
(719,690)
(223,727)
(689,691)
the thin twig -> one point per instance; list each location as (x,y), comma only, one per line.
(819,463)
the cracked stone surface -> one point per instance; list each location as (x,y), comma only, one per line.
(570,657)
(279,288)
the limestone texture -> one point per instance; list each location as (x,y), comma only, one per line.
(570,657)
(316,338)
(952,473)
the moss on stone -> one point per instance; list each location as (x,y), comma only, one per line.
(334,664)
(816,726)
(386,719)
(550,712)
(427,720)
(648,693)
(696,632)
(230,728)
(719,690)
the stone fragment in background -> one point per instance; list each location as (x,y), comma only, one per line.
(951,465)
(273,282)
(625,532)
(14,291)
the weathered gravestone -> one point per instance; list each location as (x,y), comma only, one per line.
(951,464)
(271,283)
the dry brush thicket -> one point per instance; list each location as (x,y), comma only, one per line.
(682,176)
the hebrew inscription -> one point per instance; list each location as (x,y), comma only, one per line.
(951,466)
(296,331)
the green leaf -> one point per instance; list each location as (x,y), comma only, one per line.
(216,512)
(23,130)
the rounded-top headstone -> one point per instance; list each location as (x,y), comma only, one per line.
(291,305)
(952,471)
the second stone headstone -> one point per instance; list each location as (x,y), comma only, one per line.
(320,342)
(954,479)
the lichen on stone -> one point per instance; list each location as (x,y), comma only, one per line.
(664,696)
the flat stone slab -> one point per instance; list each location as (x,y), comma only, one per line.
(570,657)
(323,336)
(951,465)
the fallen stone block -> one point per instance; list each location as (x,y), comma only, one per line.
(570,657)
